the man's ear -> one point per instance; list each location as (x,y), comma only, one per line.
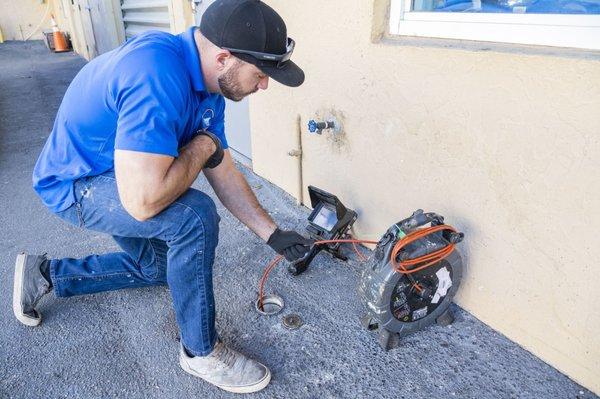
(223,58)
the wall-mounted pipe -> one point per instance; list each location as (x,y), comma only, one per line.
(297,153)
(38,26)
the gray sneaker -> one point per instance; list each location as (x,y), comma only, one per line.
(29,287)
(227,369)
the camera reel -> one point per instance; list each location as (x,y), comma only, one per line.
(399,304)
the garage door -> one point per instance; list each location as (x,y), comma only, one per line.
(140,16)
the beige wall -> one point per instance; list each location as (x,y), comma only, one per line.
(505,145)
(19,18)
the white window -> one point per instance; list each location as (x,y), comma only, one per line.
(562,23)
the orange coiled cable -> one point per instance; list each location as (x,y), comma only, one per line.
(403,267)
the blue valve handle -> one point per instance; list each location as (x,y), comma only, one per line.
(316,127)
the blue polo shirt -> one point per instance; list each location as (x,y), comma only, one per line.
(147,95)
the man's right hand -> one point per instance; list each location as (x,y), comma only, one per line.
(217,157)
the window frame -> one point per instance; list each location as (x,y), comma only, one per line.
(558,30)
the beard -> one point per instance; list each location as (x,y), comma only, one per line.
(230,85)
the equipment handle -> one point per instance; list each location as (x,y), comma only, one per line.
(299,266)
(418,219)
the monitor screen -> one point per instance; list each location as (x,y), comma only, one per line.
(325,218)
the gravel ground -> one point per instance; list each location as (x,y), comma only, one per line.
(123,344)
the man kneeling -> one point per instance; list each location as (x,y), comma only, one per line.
(136,127)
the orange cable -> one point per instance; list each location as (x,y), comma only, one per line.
(402,267)
(361,257)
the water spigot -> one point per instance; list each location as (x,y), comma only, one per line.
(318,127)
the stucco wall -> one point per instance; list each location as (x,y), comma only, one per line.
(19,18)
(505,145)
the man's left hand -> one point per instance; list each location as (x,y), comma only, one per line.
(289,244)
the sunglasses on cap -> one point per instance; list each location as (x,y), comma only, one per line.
(279,58)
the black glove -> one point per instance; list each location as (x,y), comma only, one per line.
(217,157)
(289,244)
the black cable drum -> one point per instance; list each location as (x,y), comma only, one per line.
(394,306)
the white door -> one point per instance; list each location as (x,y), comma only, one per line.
(237,114)
(102,19)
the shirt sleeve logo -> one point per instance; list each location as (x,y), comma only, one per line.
(207,118)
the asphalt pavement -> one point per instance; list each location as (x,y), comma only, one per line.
(123,344)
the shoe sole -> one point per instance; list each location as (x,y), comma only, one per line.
(246,389)
(18,290)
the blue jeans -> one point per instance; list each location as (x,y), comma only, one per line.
(175,247)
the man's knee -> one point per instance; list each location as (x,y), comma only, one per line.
(199,212)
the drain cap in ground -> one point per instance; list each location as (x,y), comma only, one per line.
(292,321)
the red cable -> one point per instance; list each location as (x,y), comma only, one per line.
(361,257)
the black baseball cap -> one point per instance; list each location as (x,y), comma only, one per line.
(253,32)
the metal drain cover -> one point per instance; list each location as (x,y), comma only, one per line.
(292,322)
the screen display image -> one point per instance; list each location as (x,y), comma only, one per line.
(325,218)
